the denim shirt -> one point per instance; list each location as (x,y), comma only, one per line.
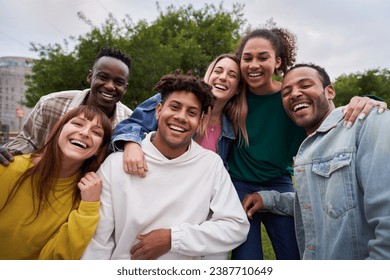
(143,120)
(342,207)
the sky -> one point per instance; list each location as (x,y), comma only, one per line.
(344,36)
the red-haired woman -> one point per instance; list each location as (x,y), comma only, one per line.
(49,200)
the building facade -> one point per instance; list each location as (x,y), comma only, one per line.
(13,71)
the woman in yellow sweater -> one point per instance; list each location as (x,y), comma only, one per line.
(49,200)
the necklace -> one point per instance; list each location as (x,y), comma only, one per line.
(212,126)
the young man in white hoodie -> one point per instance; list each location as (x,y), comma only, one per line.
(187,207)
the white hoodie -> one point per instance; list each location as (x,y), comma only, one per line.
(192,195)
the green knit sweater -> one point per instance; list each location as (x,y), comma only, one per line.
(273,141)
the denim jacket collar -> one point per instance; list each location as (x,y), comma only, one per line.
(331,120)
(227,128)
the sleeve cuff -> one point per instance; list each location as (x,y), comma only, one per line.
(88,208)
(268,200)
(176,237)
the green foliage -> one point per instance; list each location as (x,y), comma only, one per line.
(371,82)
(181,37)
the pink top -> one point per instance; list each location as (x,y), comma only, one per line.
(210,140)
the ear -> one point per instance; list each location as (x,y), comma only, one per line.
(89,76)
(330,92)
(278,62)
(158,110)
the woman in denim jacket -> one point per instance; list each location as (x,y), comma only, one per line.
(216,133)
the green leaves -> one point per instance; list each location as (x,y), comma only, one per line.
(370,82)
(181,37)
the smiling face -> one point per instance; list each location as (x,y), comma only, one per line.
(224,79)
(80,139)
(305,99)
(258,63)
(178,119)
(108,80)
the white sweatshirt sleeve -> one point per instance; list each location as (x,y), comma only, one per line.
(102,243)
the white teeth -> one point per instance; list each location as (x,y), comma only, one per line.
(78,143)
(221,87)
(254,74)
(300,106)
(107,95)
(174,127)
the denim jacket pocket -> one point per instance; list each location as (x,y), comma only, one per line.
(335,183)
(327,167)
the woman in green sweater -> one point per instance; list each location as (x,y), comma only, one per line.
(49,200)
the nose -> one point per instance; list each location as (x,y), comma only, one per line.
(295,92)
(254,64)
(222,76)
(85,131)
(110,85)
(181,115)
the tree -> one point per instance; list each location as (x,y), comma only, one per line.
(371,82)
(181,37)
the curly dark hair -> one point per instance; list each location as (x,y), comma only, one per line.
(283,42)
(186,82)
(115,54)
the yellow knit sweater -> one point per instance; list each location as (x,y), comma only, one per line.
(59,232)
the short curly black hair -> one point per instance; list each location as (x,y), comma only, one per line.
(323,75)
(115,54)
(186,82)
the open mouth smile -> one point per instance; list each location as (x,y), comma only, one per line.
(300,106)
(79,143)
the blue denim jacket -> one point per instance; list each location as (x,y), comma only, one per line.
(342,202)
(143,120)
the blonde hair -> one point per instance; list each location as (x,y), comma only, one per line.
(235,109)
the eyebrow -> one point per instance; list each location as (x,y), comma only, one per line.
(190,107)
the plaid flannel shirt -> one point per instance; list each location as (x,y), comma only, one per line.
(49,109)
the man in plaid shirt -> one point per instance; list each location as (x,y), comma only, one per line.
(108,80)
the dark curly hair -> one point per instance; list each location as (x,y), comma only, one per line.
(283,42)
(115,54)
(186,82)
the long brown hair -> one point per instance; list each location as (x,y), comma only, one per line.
(44,174)
(235,108)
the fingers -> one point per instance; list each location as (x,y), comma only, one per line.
(252,203)
(5,156)
(359,108)
(382,107)
(134,162)
(247,202)
(353,109)
(151,245)
(16,153)
(138,252)
(90,187)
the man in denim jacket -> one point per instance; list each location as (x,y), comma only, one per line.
(342,199)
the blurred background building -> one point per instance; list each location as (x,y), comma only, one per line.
(12,91)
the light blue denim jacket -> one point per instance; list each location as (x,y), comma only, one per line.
(143,120)
(342,202)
